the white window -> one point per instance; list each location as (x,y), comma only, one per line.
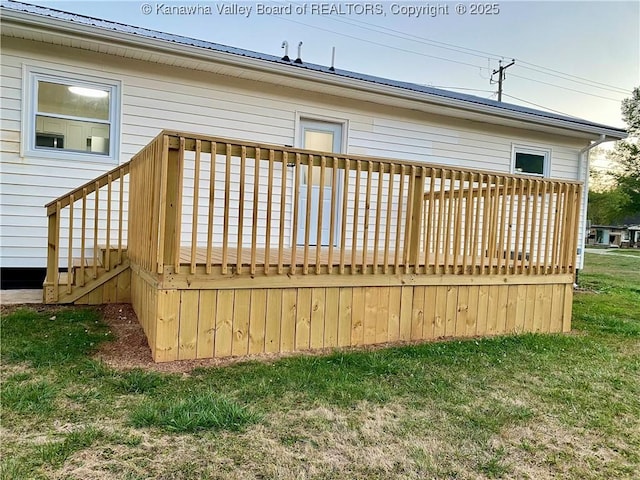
(71,116)
(530,160)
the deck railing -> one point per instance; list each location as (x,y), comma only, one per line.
(86,232)
(492,223)
(147,199)
(220,207)
(229,207)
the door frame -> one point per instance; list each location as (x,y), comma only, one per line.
(301,117)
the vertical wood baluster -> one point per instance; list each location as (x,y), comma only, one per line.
(525,231)
(406,245)
(356,205)
(345,209)
(457,237)
(516,247)
(96,213)
(70,249)
(438,232)
(430,219)
(194,213)
(367,211)
(376,239)
(468,224)
(540,224)
(296,207)
(503,225)
(397,252)
(178,219)
(307,219)
(334,207)
(243,171)
(227,203)
(387,235)
(323,166)
(211,212)
(83,238)
(107,255)
(254,218)
(549,228)
(283,202)
(267,240)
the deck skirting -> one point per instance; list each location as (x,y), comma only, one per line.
(185,320)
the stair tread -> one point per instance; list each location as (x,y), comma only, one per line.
(88,262)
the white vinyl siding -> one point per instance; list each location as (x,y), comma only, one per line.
(155,97)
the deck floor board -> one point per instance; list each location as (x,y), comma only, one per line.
(216,257)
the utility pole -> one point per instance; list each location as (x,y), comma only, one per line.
(501,76)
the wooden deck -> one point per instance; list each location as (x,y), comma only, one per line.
(420,251)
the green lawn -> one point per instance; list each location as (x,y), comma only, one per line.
(533,406)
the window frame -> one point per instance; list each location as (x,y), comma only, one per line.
(31,76)
(532,150)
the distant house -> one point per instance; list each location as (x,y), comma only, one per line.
(622,236)
(634,236)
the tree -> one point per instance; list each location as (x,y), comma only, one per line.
(627,156)
(631,111)
(607,207)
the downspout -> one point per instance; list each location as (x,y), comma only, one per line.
(583,174)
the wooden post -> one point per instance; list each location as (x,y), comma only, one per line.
(414,226)
(173,178)
(51,283)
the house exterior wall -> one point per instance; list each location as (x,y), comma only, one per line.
(156,97)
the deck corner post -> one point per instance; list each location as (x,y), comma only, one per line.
(171,246)
(51,281)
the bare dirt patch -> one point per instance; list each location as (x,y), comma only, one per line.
(130,349)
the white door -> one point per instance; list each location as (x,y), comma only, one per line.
(323,137)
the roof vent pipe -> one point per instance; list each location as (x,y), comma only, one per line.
(299,59)
(285,45)
(333,59)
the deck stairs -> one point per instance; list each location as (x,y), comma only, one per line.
(90,284)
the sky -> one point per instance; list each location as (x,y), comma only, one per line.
(572,57)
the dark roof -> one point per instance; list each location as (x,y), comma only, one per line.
(179,39)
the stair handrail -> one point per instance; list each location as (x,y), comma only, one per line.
(54,209)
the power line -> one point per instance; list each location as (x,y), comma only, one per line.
(566,88)
(457,49)
(479,53)
(415,38)
(613,89)
(494,56)
(539,106)
(625,90)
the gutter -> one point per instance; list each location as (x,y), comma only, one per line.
(260,65)
(583,171)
